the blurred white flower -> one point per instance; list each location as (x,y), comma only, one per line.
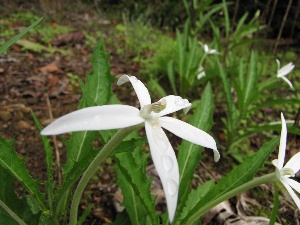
(201,74)
(292,167)
(282,72)
(207,50)
(153,116)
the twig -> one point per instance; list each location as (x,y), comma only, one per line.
(282,25)
(271,18)
(55,143)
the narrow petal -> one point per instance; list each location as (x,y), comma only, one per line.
(140,89)
(282,146)
(291,192)
(165,163)
(95,118)
(212,51)
(278,66)
(294,163)
(174,103)
(287,81)
(285,70)
(294,184)
(190,133)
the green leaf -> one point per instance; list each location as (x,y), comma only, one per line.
(81,166)
(17,37)
(98,82)
(49,161)
(231,109)
(275,102)
(195,196)
(96,91)
(275,206)
(189,154)
(251,83)
(131,170)
(16,166)
(13,210)
(237,177)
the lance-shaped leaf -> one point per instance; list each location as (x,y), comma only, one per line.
(49,161)
(13,210)
(238,176)
(18,36)
(78,170)
(10,161)
(135,186)
(189,154)
(98,82)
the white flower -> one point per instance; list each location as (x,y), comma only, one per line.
(292,167)
(207,50)
(281,73)
(153,116)
(201,74)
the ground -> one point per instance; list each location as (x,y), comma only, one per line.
(41,83)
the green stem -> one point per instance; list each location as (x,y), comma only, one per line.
(269,178)
(12,213)
(94,166)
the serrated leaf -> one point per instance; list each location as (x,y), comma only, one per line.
(96,91)
(195,196)
(189,154)
(237,177)
(98,82)
(11,205)
(76,171)
(49,161)
(131,170)
(16,166)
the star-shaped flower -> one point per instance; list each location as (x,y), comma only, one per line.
(282,72)
(292,167)
(153,116)
(207,50)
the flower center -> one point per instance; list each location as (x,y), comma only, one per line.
(155,107)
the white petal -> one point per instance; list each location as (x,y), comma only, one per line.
(294,163)
(285,70)
(201,74)
(95,118)
(140,89)
(206,49)
(212,51)
(165,163)
(190,133)
(282,146)
(275,163)
(290,190)
(278,66)
(294,184)
(287,81)
(174,103)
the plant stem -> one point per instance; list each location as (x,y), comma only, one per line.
(93,167)
(269,178)
(12,213)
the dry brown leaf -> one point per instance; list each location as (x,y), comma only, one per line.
(221,212)
(50,68)
(249,220)
(243,201)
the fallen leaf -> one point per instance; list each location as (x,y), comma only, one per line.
(50,68)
